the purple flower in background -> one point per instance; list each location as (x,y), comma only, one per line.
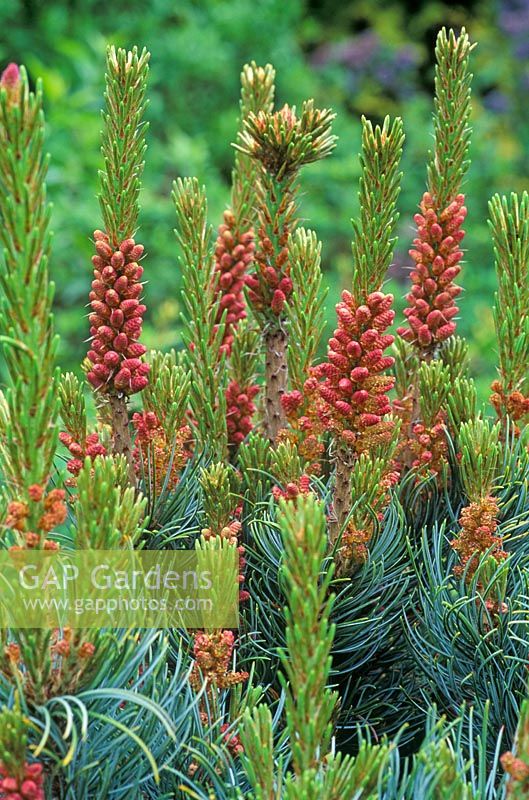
(522,48)
(525,78)
(513,19)
(407,57)
(353,53)
(497,101)
(359,52)
(366,57)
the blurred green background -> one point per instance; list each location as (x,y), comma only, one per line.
(363,57)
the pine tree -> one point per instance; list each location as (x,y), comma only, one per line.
(379,538)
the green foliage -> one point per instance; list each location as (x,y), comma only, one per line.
(203,335)
(509,225)
(167,394)
(219,484)
(305,307)
(257,734)
(284,142)
(434,387)
(306,659)
(257,94)
(393,647)
(405,367)
(108,514)
(462,636)
(26,328)
(13,740)
(480,446)
(306,663)
(286,463)
(453,352)
(374,237)
(462,403)
(255,461)
(72,406)
(123,145)
(449,161)
(245,354)
(367,487)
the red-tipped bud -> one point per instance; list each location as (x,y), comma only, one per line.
(360,396)
(11,83)
(120,342)
(359,374)
(278,302)
(122,379)
(345,385)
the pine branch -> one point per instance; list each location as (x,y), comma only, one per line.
(234,250)
(167,394)
(352,385)
(117,312)
(258,759)
(305,310)
(288,469)
(372,477)
(282,143)
(449,161)
(437,247)
(255,460)
(257,95)
(202,333)
(434,387)
(480,447)
(374,231)
(108,514)
(219,488)
(306,661)
(462,404)
(306,664)
(509,225)
(73,406)
(26,324)
(123,144)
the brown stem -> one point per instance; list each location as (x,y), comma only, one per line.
(343,461)
(276,376)
(122,441)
